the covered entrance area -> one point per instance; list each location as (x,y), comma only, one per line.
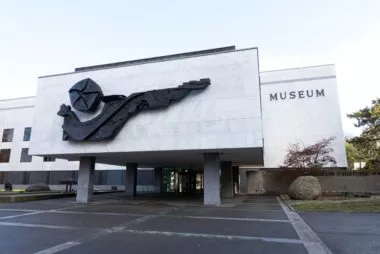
(182,181)
(213,175)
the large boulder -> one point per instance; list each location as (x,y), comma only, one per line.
(305,188)
(37,187)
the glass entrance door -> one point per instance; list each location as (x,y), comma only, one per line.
(183,180)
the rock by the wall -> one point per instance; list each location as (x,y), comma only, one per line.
(278,182)
(305,188)
(37,187)
(256,182)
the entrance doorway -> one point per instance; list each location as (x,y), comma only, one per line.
(182,181)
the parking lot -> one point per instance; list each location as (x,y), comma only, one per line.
(115,224)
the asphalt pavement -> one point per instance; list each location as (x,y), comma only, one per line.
(346,233)
(115,224)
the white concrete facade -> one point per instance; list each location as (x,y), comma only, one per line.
(235,117)
(224,117)
(17,114)
(300,106)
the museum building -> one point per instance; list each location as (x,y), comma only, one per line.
(185,123)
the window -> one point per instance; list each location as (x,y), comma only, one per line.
(7,135)
(49,158)
(25,157)
(5,154)
(27,132)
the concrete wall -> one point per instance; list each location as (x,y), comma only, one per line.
(300,106)
(264,182)
(226,115)
(145,178)
(18,114)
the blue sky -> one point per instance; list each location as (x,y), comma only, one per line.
(43,37)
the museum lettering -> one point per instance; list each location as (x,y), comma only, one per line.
(300,94)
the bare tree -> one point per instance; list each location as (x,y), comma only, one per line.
(313,156)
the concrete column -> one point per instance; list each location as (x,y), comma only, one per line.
(131,180)
(235,178)
(47,177)
(211,168)
(227,179)
(85,179)
(158,179)
(242,180)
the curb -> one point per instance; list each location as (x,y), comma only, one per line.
(311,241)
(286,200)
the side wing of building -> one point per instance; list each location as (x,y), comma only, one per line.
(300,106)
(16,118)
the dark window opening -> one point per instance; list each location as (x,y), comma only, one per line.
(7,135)
(5,154)
(25,157)
(27,133)
(49,158)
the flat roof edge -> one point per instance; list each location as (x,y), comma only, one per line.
(302,67)
(109,66)
(18,98)
(157,58)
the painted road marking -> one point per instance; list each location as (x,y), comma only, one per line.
(20,215)
(236,209)
(311,241)
(214,236)
(228,218)
(104,232)
(97,213)
(39,212)
(19,210)
(175,216)
(58,248)
(28,225)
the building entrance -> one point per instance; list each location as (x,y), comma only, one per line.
(178,180)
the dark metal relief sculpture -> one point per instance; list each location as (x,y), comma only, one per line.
(86,96)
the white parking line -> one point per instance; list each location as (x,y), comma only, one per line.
(104,232)
(28,225)
(20,215)
(228,218)
(214,236)
(311,241)
(251,210)
(58,248)
(66,208)
(96,213)
(19,210)
(39,212)
(259,203)
(172,216)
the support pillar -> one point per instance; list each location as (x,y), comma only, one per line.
(85,179)
(158,179)
(227,179)
(131,180)
(211,168)
(235,178)
(242,180)
(47,177)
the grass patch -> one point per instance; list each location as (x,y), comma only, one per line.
(354,205)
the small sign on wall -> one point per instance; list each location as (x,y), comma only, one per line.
(299,94)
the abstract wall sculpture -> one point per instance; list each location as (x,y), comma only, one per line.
(86,96)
